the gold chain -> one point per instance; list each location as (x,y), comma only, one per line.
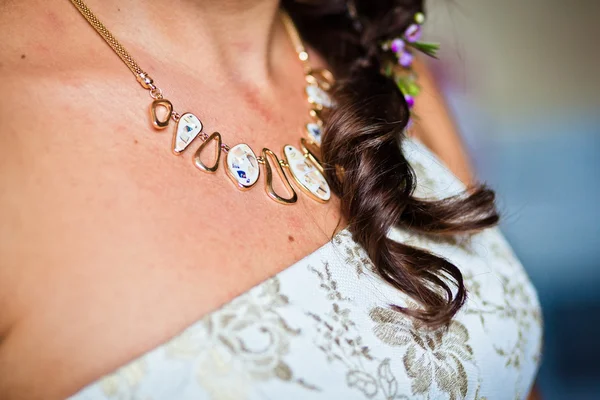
(108,37)
(292,31)
(142,77)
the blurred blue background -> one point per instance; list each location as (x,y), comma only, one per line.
(522,80)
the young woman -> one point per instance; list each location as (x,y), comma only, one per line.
(131,270)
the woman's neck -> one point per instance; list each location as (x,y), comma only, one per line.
(242,37)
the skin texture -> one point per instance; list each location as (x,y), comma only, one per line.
(110,245)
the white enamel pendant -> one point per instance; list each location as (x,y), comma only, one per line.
(312,152)
(318,96)
(306,174)
(242,166)
(188,128)
(314,132)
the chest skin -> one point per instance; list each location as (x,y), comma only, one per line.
(110,244)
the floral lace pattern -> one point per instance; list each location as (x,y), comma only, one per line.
(323,329)
(340,341)
(431,357)
(247,338)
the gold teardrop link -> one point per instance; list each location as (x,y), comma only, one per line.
(266,155)
(157,122)
(216,136)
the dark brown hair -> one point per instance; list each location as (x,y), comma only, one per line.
(363,134)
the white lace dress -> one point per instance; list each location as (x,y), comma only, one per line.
(322,329)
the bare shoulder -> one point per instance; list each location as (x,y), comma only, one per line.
(64,170)
(51,146)
(26,115)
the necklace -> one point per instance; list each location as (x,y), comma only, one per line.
(241,163)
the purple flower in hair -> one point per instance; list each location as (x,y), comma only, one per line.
(405,59)
(410,101)
(412,33)
(397,45)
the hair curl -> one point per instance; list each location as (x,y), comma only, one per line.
(363,135)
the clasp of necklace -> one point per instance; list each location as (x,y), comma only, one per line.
(148,83)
